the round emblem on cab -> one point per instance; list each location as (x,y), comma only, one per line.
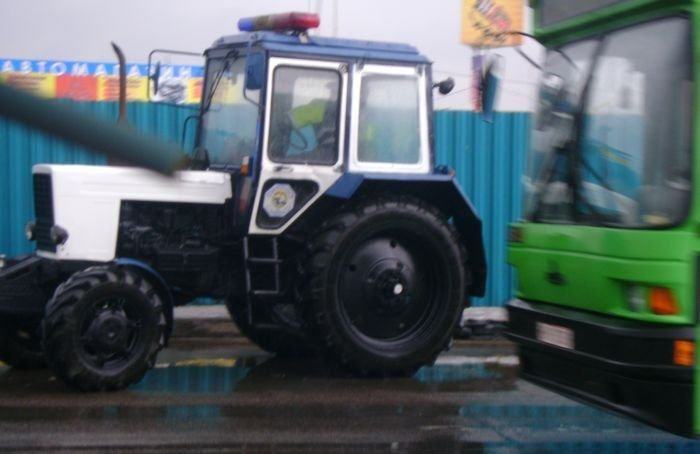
(279,200)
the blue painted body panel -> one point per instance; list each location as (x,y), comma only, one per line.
(439,190)
(162,287)
(325,47)
(346,186)
(125,261)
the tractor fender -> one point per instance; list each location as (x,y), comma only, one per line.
(439,190)
(160,285)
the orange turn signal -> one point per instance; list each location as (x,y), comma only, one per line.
(245,166)
(662,301)
(684,352)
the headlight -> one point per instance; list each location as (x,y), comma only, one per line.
(279,200)
(58,235)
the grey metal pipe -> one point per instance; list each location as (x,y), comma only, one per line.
(68,123)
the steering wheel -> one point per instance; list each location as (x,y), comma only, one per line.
(300,135)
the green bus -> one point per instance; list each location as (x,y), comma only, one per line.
(607,252)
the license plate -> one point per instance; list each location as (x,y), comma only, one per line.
(555,335)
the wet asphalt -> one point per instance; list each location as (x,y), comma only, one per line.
(228,396)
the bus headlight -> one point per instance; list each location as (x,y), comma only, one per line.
(637,297)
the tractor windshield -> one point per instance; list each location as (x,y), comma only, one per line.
(612,137)
(229,119)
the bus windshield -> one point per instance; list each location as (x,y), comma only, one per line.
(555,11)
(612,136)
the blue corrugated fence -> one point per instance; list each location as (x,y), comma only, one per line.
(487,157)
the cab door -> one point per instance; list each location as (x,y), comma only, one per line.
(303,140)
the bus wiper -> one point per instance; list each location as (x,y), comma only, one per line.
(533,62)
(577,157)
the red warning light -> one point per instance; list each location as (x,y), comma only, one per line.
(295,22)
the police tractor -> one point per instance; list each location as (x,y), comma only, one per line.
(313,208)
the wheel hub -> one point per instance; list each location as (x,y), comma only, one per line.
(383,288)
(390,289)
(109,331)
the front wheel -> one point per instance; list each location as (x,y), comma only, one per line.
(387,285)
(103,328)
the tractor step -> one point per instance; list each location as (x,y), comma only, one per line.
(262,263)
(264,260)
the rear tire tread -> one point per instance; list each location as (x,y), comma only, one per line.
(320,258)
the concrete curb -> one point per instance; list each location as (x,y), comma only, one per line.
(204,322)
(214,320)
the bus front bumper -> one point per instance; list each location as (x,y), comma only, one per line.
(619,364)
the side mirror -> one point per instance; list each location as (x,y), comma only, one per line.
(155,78)
(490,82)
(255,71)
(168,74)
(445,86)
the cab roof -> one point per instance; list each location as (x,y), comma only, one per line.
(324,47)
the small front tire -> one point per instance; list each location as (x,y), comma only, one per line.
(103,329)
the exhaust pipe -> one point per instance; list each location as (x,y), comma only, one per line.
(121,120)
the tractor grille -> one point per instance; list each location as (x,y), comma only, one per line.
(43,207)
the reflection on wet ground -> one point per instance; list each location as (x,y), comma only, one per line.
(235,398)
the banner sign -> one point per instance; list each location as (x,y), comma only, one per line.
(485,23)
(89,81)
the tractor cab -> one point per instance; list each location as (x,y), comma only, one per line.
(288,114)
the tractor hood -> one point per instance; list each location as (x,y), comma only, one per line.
(78,207)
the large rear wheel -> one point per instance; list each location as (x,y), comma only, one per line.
(387,285)
(103,328)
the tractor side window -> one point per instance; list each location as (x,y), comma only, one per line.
(229,121)
(389,119)
(304,117)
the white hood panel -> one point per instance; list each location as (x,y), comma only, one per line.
(87,199)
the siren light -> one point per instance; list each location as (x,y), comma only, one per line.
(295,22)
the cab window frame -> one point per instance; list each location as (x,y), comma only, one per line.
(306,65)
(423,165)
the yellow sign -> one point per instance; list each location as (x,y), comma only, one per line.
(37,84)
(108,88)
(194,90)
(486,23)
